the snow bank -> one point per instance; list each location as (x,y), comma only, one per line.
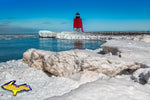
(143,38)
(59,88)
(42,85)
(146,39)
(136,51)
(47,34)
(118,88)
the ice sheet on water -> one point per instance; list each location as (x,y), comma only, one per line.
(17,36)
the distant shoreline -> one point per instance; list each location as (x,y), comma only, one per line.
(121,33)
(20,34)
(96,33)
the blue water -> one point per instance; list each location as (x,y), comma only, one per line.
(12,47)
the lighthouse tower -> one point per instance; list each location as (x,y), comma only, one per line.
(77,25)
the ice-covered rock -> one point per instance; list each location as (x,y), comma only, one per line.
(77,64)
(146,39)
(65,63)
(136,51)
(137,38)
(143,38)
(35,58)
(142,76)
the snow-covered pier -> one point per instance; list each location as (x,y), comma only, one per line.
(72,35)
(90,35)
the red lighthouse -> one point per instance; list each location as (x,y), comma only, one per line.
(77,25)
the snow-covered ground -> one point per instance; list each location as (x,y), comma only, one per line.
(117,88)
(43,86)
(120,74)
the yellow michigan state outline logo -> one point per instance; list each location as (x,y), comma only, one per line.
(11,86)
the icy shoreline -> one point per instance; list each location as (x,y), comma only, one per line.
(121,72)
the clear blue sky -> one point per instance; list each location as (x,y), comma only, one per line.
(57,15)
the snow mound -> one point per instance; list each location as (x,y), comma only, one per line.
(46,34)
(145,38)
(42,85)
(120,88)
